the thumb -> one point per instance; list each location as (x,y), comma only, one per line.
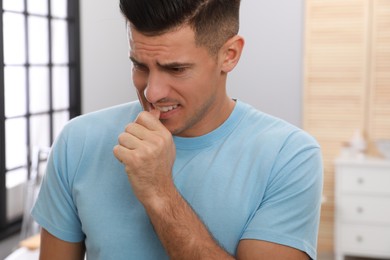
(156,113)
(150,119)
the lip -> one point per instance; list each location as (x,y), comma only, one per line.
(166,108)
(167,114)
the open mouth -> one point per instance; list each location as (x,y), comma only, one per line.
(165,109)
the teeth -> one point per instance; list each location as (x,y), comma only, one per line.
(166,109)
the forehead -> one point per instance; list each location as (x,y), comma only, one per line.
(178,40)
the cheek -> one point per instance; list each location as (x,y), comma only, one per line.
(140,80)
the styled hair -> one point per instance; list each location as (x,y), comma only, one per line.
(213,21)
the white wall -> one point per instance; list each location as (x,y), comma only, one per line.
(105,70)
(269,75)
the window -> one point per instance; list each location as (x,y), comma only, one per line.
(39,86)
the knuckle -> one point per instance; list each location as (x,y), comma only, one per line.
(160,141)
(115,150)
(140,116)
(138,159)
(129,127)
(121,138)
(149,150)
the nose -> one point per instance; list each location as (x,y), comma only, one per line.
(156,88)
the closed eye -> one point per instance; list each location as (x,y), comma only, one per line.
(177,69)
(140,67)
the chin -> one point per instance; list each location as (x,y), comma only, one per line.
(171,128)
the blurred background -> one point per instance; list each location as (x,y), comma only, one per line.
(323,66)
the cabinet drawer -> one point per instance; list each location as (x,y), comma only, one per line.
(365,239)
(368,209)
(364,181)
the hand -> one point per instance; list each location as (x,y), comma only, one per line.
(147,150)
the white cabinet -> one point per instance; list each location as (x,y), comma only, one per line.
(362,208)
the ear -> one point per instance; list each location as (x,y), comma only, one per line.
(231,53)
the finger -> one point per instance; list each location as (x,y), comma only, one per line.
(150,120)
(120,153)
(136,130)
(128,141)
(156,113)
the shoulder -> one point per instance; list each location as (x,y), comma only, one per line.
(272,130)
(101,121)
(97,128)
(120,113)
(88,136)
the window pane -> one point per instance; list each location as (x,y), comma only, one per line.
(13,5)
(15,183)
(15,91)
(40,131)
(14,38)
(37,7)
(38,37)
(60,119)
(39,89)
(59,42)
(15,143)
(60,87)
(16,177)
(59,8)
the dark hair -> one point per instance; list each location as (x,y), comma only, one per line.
(213,21)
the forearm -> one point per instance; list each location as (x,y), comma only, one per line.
(147,150)
(181,232)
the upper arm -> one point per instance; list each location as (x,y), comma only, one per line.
(289,212)
(249,249)
(55,248)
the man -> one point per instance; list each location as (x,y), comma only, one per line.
(198,175)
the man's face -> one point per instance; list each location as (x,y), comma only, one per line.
(180,79)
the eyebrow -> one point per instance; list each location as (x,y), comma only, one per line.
(166,65)
(135,61)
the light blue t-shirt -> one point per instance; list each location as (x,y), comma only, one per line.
(254,177)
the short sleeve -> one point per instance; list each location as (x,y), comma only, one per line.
(290,210)
(55,209)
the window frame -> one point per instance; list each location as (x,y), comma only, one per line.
(74,109)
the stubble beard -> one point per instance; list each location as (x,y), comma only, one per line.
(195,118)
